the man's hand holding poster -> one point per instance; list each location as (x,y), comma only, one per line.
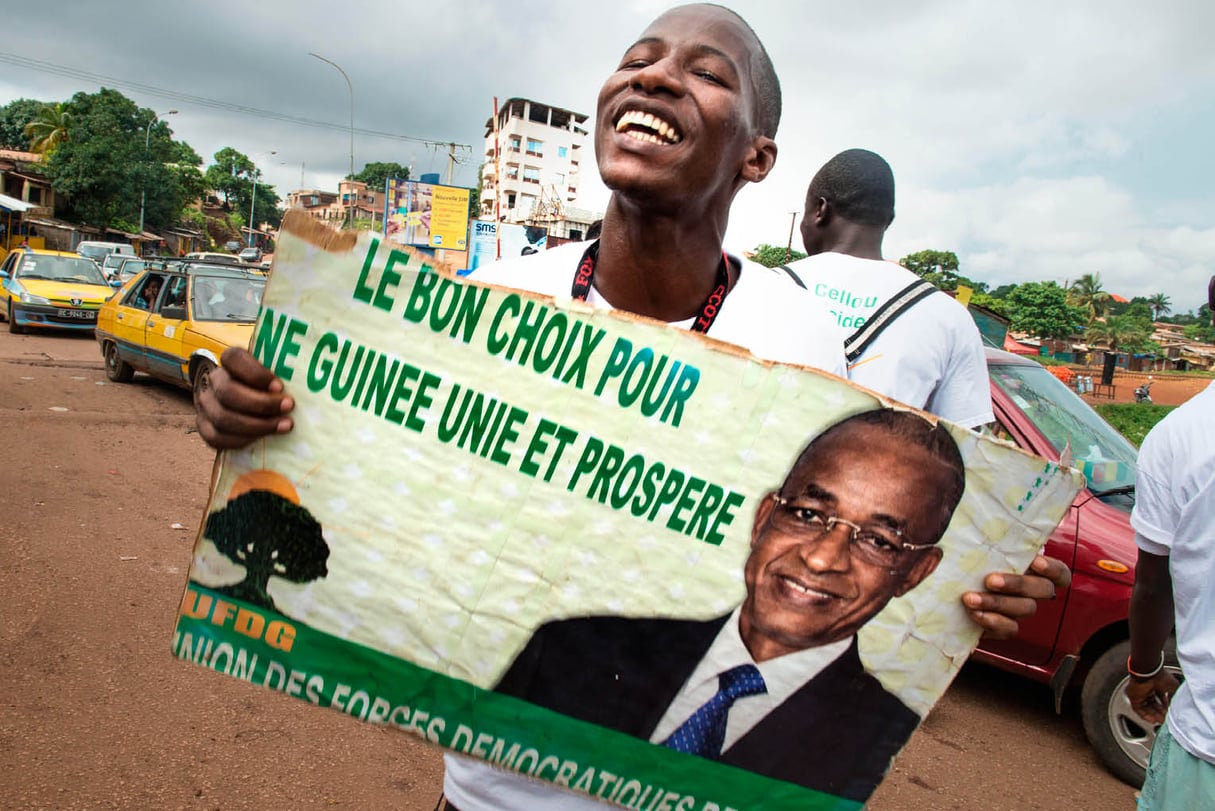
(621,558)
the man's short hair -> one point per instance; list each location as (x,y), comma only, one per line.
(858,185)
(764,82)
(910,429)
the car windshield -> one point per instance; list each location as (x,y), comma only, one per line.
(226,298)
(131,267)
(1105,457)
(60,269)
(94,252)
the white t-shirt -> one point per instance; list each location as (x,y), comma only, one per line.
(930,357)
(1174,515)
(766,313)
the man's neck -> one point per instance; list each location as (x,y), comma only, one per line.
(863,242)
(657,266)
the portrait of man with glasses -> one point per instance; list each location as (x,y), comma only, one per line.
(777,686)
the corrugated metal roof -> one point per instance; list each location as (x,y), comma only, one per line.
(13,204)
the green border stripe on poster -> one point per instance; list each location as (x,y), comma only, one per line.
(274,651)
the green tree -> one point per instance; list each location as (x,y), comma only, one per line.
(376,174)
(49,129)
(115,154)
(186,164)
(474,196)
(1088,294)
(267,210)
(13,118)
(938,267)
(1041,309)
(1119,332)
(1161,305)
(231,175)
(1199,332)
(775,255)
(996,305)
(1003,291)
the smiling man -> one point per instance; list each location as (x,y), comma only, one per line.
(685,121)
(777,687)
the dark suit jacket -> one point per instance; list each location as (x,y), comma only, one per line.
(837,733)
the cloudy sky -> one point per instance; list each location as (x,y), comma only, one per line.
(1038,140)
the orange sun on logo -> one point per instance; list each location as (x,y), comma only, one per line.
(264,479)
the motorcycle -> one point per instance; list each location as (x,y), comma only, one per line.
(1143,393)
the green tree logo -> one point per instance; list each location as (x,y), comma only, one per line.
(271,537)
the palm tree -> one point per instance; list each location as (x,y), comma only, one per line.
(49,128)
(1087,293)
(1161,305)
(1115,330)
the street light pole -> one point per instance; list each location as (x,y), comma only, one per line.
(349,87)
(147,142)
(253,201)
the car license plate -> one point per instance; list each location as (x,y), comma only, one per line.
(79,315)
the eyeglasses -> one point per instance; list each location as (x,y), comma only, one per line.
(880,546)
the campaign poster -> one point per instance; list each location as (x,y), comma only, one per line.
(625,559)
(426,215)
(516,240)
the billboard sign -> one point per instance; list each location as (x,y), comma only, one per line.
(426,215)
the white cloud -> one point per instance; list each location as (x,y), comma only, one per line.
(1035,229)
(1016,131)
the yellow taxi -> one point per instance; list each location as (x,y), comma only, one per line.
(51,289)
(175,319)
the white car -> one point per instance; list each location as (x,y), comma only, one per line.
(98,251)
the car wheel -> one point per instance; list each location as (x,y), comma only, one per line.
(1122,739)
(13,326)
(116,368)
(201,379)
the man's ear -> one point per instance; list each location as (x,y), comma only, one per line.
(762,511)
(926,565)
(820,212)
(760,159)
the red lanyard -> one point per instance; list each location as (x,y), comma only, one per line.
(581,287)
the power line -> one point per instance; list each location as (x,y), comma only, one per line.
(215,104)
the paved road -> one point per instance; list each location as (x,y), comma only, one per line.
(96,713)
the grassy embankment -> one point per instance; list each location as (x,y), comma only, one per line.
(1133,420)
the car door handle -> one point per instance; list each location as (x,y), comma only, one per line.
(119,316)
(151,324)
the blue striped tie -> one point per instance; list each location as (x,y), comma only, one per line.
(703,733)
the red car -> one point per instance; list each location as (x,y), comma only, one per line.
(1079,640)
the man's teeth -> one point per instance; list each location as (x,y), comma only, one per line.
(806,589)
(660,131)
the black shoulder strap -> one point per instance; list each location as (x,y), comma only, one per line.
(794,276)
(860,340)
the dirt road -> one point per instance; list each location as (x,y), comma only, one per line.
(1165,390)
(97,714)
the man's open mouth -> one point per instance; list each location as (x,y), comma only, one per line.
(647,127)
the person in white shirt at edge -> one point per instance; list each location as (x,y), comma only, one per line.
(931,355)
(1174,521)
(684,123)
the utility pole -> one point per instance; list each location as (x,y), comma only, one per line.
(253,201)
(789,245)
